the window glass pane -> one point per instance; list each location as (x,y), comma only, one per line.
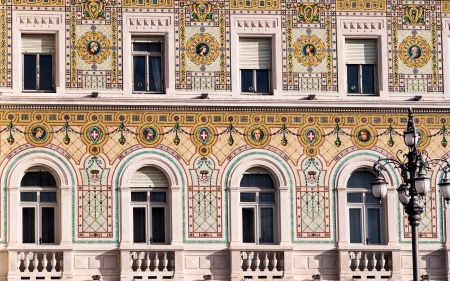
(248,225)
(147,47)
(155,74)
(48,225)
(139,225)
(361,179)
(158,228)
(257,180)
(48,196)
(28,225)
(354,198)
(28,197)
(267,197)
(139,83)
(352,79)
(248,197)
(262,81)
(38,179)
(247,80)
(373,226)
(355,226)
(266,225)
(138,196)
(368,78)
(29,72)
(46,73)
(157,197)
(370,199)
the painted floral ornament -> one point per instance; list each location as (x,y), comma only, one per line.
(284,141)
(122,140)
(10,139)
(230,141)
(444,142)
(176,140)
(66,140)
(338,142)
(390,142)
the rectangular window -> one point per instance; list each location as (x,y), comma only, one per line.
(255,63)
(248,225)
(38,62)
(266,226)
(355,226)
(148,61)
(158,225)
(139,225)
(373,226)
(361,61)
(48,225)
(28,227)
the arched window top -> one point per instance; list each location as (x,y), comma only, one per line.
(38,176)
(149,177)
(361,179)
(257,177)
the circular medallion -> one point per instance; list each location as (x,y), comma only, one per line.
(364,137)
(149,135)
(39,134)
(309,50)
(94,150)
(422,138)
(93,47)
(257,136)
(414,51)
(94,134)
(202,49)
(310,151)
(310,136)
(204,134)
(204,151)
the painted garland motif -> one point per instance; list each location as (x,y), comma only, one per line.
(309,50)
(202,49)
(93,47)
(414,51)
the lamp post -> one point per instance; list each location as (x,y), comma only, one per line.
(413,167)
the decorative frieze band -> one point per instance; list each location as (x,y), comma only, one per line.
(148,22)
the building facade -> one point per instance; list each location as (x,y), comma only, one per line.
(231,140)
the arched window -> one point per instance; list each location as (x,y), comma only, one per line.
(259,208)
(149,197)
(364,211)
(39,207)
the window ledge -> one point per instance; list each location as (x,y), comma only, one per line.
(152,247)
(37,248)
(253,247)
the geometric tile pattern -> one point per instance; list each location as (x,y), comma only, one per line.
(95,211)
(313,212)
(428,222)
(205,212)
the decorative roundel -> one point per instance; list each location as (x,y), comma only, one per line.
(257,136)
(202,49)
(311,151)
(422,138)
(310,136)
(364,136)
(39,134)
(309,50)
(204,134)
(149,135)
(94,150)
(94,134)
(204,151)
(93,47)
(414,51)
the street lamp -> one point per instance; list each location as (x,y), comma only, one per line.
(415,183)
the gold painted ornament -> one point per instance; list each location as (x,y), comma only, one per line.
(309,50)
(93,47)
(414,51)
(202,49)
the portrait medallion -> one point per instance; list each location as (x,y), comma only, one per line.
(93,47)
(309,50)
(414,51)
(202,49)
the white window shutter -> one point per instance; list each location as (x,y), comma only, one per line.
(360,51)
(149,177)
(147,39)
(38,43)
(255,53)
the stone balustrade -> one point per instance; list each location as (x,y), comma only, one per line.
(370,261)
(270,261)
(40,262)
(152,261)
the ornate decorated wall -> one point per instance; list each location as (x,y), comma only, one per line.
(203,57)
(204,145)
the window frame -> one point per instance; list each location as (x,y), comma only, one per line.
(147,55)
(38,72)
(360,80)
(149,205)
(38,206)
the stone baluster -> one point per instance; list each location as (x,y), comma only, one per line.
(373,262)
(274,261)
(26,262)
(281,261)
(382,261)
(61,260)
(265,261)
(147,261)
(156,262)
(35,262)
(132,260)
(19,260)
(165,261)
(249,261)
(241,260)
(257,261)
(350,259)
(364,261)
(389,258)
(53,262)
(172,261)
(138,261)
(44,262)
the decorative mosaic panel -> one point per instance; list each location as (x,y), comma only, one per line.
(415,47)
(5,48)
(95,214)
(428,227)
(361,5)
(313,214)
(309,30)
(205,212)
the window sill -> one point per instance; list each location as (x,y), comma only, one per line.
(153,247)
(34,247)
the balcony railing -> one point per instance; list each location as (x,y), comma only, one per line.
(152,262)
(40,262)
(378,261)
(263,261)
